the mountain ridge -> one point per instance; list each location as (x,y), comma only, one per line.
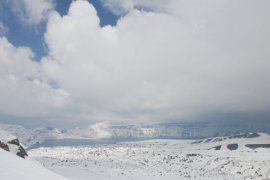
(36,136)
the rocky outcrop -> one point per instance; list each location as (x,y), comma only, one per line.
(4,146)
(20,151)
(17,148)
(15,142)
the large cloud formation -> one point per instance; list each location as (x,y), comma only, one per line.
(164,60)
(182,59)
(23,93)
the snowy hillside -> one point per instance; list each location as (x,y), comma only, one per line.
(5,135)
(163,159)
(10,143)
(14,168)
(17,131)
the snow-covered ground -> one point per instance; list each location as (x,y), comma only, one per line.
(241,156)
(162,159)
(13,167)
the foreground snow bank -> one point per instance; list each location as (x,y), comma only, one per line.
(14,168)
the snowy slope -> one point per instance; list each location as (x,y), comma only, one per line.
(17,131)
(15,168)
(5,135)
(161,159)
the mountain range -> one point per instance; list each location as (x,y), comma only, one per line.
(99,131)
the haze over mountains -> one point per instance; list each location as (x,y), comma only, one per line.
(118,133)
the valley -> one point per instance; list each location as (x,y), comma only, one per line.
(138,152)
(160,159)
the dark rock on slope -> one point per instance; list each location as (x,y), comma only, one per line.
(4,146)
(19,150)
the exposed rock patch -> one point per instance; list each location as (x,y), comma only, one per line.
(15,142)
(232,146)
(255,146)
(16,149)
(4,146)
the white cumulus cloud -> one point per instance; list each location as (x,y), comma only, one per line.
(23,93)
(181,59)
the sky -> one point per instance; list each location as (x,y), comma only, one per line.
(66,62)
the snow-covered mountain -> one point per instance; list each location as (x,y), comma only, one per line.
(188,130)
